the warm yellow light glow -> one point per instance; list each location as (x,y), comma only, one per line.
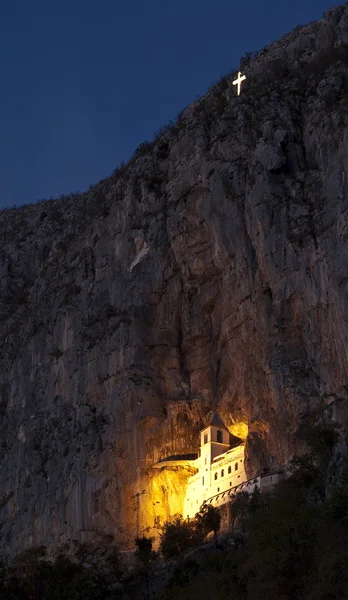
(164,497)
(239,429)
(238,82)
(181,485)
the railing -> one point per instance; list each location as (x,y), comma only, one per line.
(226,495)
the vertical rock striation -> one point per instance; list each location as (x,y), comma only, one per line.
(209,275)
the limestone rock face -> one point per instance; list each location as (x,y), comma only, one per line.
(210,275)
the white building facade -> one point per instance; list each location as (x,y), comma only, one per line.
(220,471)
(220,468)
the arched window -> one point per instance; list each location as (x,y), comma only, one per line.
(219,436)
(205,438)
(236,467)
(222,473)
(215,476)
(229,469)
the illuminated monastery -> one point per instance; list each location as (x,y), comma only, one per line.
(220,468)
(218,472)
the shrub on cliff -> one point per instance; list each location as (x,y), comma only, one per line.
(144,553)
(178,536)
(208,519)
(145,556)
(34,577)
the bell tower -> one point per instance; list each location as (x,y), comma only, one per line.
(215,440)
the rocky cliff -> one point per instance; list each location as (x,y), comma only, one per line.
(210,274)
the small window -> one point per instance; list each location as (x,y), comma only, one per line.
(215,476)
(230,483)
(229,469)
(218,489)
(222,473)
(219,436)
(202,480)
(236,467)
(205,460)
(205,438)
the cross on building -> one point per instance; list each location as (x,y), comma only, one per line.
(238,82)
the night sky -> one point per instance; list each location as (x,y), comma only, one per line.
(83,82)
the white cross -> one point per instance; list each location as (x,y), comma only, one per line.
(238,82)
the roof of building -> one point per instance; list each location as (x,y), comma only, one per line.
(176,457)
(187,461)
(216,421)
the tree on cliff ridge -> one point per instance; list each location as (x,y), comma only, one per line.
(208,519)
(178,536)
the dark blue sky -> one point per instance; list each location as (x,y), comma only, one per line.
(83,82)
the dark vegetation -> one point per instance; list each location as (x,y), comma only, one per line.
(291,543)
(34,577)
(178,536)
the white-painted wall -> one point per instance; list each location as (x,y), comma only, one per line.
(213,483)
(213,464)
